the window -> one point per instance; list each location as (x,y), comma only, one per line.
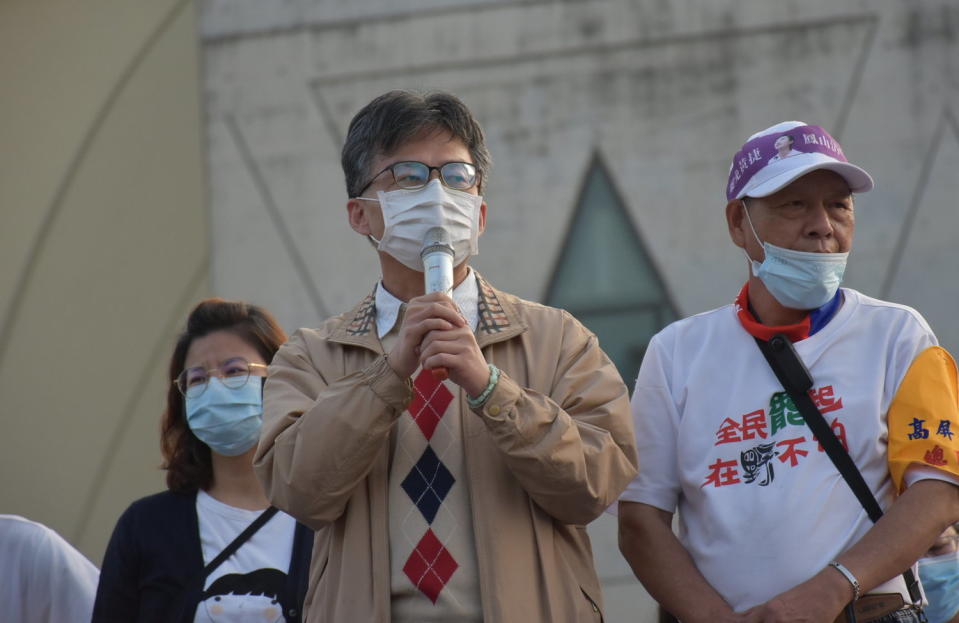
(606,278)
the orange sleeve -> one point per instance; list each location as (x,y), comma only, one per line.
(924,416)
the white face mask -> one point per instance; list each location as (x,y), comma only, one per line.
(409,214)
(798,279)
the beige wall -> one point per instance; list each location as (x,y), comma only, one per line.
(103,248)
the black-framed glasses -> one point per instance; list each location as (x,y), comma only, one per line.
(411,175)
(234,372)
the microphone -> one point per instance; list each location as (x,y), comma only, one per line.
(437,255)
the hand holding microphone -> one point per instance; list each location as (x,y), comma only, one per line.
(434,332)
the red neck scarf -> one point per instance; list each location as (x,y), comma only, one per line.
(794,332)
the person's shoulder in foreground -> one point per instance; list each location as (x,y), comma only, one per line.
(45,579)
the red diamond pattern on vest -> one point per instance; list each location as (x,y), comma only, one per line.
(430,399)
(430,566)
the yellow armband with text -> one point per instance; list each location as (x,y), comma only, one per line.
(924,416)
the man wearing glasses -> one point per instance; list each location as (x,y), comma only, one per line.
(436,500)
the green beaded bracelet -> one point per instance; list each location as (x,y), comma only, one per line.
(493,379)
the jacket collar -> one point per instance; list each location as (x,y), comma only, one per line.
(498,319)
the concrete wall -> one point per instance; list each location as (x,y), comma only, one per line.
(103,248)
(664,91)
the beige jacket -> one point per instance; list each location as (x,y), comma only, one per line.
(549,451)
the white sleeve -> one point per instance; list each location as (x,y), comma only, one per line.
(656,419)
(60,580)
(917,472)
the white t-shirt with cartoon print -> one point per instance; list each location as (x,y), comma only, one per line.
(251,584)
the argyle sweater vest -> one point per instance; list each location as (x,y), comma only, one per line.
(434,574)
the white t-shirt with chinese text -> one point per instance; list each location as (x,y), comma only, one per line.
(761,506)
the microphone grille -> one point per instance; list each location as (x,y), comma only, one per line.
(437,236)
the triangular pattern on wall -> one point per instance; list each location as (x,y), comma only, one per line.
(605,276)
(544,109)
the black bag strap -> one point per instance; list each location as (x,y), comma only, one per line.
(796,380)
(241,538)
(191,593)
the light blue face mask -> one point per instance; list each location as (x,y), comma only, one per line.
(798,279)
(227,419)
(940,580)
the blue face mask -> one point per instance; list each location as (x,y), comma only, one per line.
(227,419)
(940,580)
(797,279)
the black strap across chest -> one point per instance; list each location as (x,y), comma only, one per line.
(796,380)
(241,538)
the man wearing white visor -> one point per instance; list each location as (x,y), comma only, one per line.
(448,447)
(807,435)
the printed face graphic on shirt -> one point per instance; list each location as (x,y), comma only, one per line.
(756,460)
(243,609)
(255,597)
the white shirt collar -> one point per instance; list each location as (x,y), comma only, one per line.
(465,295)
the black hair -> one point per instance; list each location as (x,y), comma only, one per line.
(266,582)
(385,124)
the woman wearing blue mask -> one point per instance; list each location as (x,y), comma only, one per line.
(939,573)
(210,548)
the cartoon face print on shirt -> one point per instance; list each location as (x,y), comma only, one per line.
(255,597)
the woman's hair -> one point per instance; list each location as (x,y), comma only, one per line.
(186,459)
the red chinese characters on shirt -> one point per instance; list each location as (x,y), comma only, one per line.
(750,426)
(723,473)
(729,431)
(936,457)
(754,426)
(790,452)
(824,399)
(839,430)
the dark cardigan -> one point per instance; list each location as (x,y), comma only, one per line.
(153,566)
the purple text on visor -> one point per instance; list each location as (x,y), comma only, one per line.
(762,151)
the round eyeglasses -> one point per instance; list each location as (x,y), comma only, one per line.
(411,175)
(234,373)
